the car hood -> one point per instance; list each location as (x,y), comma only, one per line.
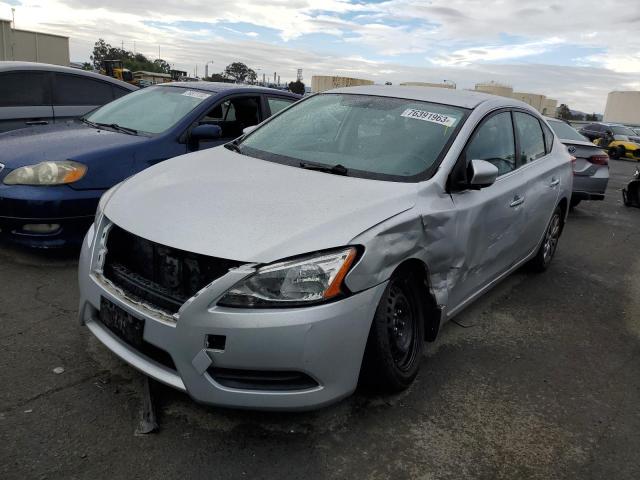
(223,204)
(64,141)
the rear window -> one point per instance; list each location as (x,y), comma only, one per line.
(78,90)
(565,132)
(25,89)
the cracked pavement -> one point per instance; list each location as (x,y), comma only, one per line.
(542,382)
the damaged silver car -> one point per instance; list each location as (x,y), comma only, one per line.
(324,247)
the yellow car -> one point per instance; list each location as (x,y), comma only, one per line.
(620,142)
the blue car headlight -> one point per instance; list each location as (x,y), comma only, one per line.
(47,173)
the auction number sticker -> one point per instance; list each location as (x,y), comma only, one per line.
(194,94)
(439,118)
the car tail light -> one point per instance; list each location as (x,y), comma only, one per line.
(599,159)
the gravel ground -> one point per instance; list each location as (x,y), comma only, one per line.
(539,379)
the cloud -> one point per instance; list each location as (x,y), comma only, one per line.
(396,40)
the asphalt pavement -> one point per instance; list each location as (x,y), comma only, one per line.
(539,379)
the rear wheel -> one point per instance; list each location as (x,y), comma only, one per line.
(547,250)
(394,347)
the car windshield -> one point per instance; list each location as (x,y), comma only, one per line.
(152,110)
(366,136)
(566,132)
(620,130)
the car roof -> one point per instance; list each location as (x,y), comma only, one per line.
(447,96)
(46,67)
(217,87)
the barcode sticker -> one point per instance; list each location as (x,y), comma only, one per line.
(429,117)
(194,94)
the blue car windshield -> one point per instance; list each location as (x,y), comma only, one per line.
(150,110)
(370,136)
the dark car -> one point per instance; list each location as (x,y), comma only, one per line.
(591,164)
(52,177)
(40,94)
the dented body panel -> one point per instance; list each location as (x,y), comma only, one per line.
(222,204)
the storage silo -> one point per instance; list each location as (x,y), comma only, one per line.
(623,107)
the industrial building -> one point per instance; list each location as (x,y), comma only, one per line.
(321,83)
(495,88)
(151,77)
(623,107)
(546,106)
(28,46)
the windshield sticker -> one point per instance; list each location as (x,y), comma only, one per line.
(194,94)
(429,117)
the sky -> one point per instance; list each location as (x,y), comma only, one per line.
(575,51)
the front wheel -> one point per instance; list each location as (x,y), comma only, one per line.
(547,250)
(394,347)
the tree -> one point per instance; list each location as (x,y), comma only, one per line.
(134,62)
(239,72)
(591,118)
(564,112)
(217,77)
(252,77)
(87,66)
(297,87)
(162,66)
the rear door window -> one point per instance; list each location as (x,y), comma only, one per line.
(494,142)
(530,136)
(234,114)
(25,89)
(78,90)
(277,104)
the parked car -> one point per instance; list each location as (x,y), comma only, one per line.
(591,164)
(338,235)
(53,176)
(41,94)
(618,140)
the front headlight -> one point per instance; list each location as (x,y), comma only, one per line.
(297,282)
(47,173)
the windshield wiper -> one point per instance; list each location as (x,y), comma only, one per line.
(119,128)
(89,122)
(233,146)
(335,169)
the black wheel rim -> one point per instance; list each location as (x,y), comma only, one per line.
(551,238)
(402,326)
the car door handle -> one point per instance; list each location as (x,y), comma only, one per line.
(554,182)
(517,200)
(36,122)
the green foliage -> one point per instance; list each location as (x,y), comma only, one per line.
(591,118)
(239,72)
(87,66)
(134,62)
(218,77)
(296,87)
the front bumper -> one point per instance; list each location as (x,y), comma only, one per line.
(324,342)
(70,211)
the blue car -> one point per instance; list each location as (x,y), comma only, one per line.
(51,177)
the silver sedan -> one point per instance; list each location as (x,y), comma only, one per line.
(324,247)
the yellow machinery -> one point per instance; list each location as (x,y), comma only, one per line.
(115,69)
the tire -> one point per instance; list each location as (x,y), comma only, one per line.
(625,198)
(396,339)
(614,153)
(549,245)
(574,202)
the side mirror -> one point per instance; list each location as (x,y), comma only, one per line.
(481,174)
(205,132)
(248,130)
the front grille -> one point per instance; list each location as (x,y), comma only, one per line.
(160,276)
(265,380)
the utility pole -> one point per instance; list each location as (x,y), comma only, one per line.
(13,17)
(134,47)
(158,52)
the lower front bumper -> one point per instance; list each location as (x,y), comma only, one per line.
(323,342)
(66,232)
